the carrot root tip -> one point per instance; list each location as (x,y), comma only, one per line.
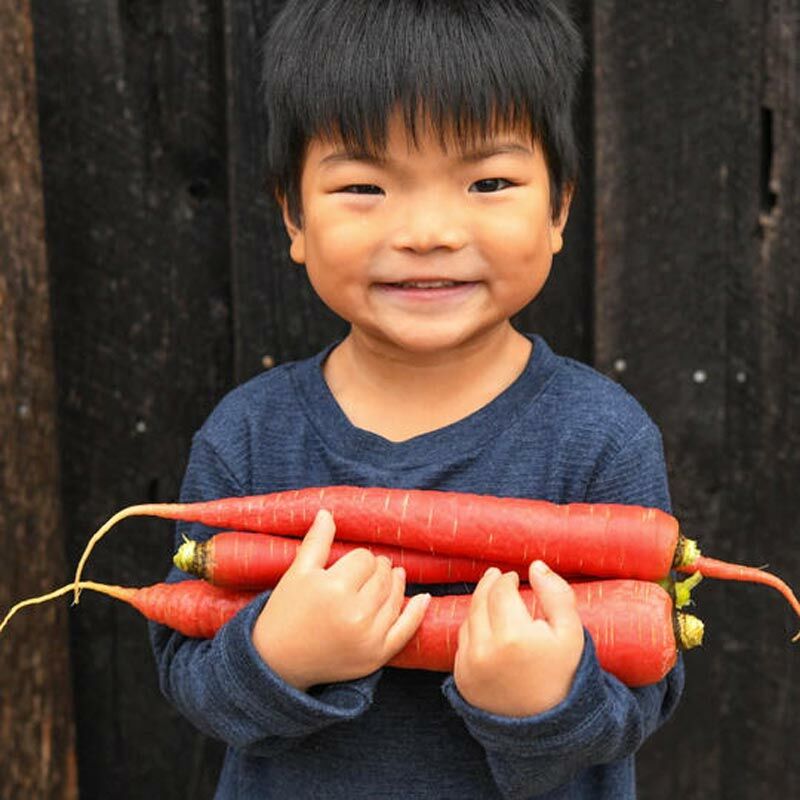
(130,511)
(120,592)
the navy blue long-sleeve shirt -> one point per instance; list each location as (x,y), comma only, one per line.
(560,432)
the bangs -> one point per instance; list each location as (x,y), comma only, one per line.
(340,69)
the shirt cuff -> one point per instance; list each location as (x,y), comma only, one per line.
(265,697)
(555,729)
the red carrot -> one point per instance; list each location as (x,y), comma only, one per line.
(600,540)
(258,560)
(603,540)
(633,624)
(244,560)
(194,608)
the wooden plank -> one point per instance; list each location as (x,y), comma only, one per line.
(696,289)
(277,315)
(37,735)
(133,132)
(759,517)
(563,311)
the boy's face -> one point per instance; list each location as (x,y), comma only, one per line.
(426,250)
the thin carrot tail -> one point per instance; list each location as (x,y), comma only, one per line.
(119,592)
(146,509)
(723,570)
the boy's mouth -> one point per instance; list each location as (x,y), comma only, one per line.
(434,284)
(436,290)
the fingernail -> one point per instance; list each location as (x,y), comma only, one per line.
(540,568)
(492,572)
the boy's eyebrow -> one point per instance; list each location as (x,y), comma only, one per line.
(467,156)
(489,150)
(353,155)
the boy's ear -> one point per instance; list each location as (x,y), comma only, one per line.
(297,247)
(558,225)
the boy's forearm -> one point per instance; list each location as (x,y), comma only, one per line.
(226,690)
(600,722)
(222,685)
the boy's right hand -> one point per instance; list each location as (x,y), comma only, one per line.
(326,625)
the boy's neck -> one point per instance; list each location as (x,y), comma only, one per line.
(399,395)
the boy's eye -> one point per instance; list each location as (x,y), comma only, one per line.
(490,185)
(361,188)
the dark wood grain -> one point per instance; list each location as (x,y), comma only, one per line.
(696,314)
(278,317)
(37,733)
(563,312)
(133,133)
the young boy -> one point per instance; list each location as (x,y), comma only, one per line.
(423,155)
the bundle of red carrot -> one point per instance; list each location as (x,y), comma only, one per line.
(614,554)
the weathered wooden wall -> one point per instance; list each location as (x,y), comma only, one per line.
(37,734)
(170,283)
(697,289)
(133,116)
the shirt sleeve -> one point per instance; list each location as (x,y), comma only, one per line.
(601,720)
(222,685)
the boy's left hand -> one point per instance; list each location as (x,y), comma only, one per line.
(509,663)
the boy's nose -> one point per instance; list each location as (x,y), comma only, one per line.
(428,225)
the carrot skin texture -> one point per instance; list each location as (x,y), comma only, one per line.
(247,560)
(631,623)
(194,608)
(603,540)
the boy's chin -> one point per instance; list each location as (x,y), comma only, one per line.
(430,341)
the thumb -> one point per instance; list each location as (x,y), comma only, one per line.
(315,548)
(554,596)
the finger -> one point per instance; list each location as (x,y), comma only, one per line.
(463,645)
(478,615)
(554,596)
(315,548)
(393,604)
(378,585)
(355,567)
(506,609)
(399,635)
(463,635)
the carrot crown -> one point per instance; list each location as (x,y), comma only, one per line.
(689,631)
(184,558)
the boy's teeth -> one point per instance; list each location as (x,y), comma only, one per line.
(426,284)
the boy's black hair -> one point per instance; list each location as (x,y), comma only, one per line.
(338,68)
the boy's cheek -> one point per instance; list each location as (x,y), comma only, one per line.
(342,245)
